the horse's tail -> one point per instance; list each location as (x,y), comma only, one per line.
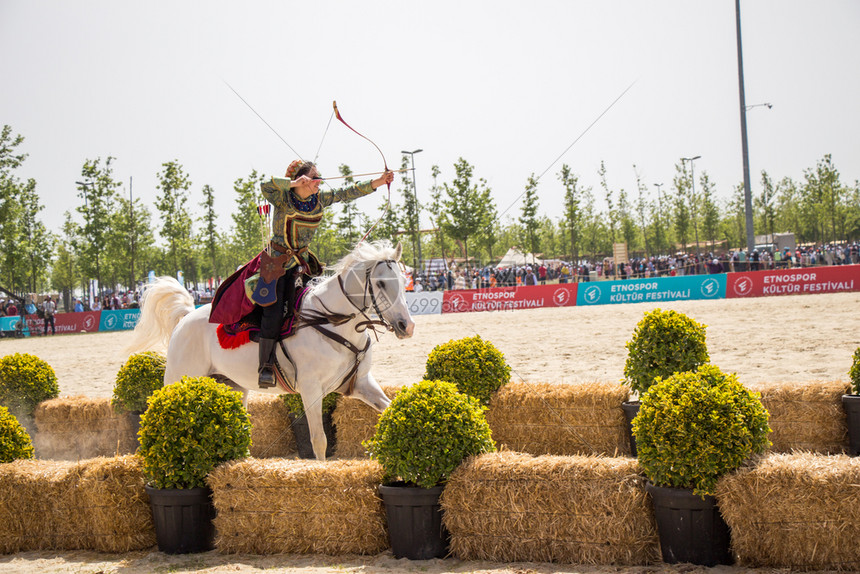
(164,303)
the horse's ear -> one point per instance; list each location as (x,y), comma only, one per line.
(398,251)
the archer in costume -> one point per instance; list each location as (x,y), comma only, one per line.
(298,209)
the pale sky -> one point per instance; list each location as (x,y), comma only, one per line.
(508,85)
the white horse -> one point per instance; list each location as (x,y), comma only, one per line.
(330,350)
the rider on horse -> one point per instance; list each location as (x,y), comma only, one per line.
(298,209)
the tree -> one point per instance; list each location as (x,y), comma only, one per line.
(611,212)
(99,192)
(349,219)
(410,211)
(710,210)
(573,216)
(682,217)
(529,219)
(642,208)
(250,233)
(465,207)
(176,226)
(765,204)
(130,241)
(211,237)
(34,239)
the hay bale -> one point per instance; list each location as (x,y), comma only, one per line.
(75,428)
(544,418)
(96,504)
(118,514)
(806,417)
(271,435)
(41,506)
(296,506)
(796,511)
(513,507)
(356,422)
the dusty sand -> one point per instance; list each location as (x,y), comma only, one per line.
(788,339)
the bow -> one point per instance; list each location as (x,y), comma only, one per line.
(384,163)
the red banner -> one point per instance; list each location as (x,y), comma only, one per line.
(509,298)
(832,279)
(87,322)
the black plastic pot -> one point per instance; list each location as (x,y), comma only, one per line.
(415,521)
(691,528)
(183,519)
(299,424)
(851,404)
(631,409)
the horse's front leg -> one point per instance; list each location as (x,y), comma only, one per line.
(313,414)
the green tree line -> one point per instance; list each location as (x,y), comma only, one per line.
(113,241)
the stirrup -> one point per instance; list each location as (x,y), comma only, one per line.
(267,377)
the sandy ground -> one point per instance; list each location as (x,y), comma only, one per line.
(788,339)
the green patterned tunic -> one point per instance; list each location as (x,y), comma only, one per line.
(295,222)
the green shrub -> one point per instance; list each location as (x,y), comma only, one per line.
(14,441)
(427,431)
(189,428)
(295,406)
(140,376)
(476,366)
(694,427)
(26,381)
(854,373)
(663,343)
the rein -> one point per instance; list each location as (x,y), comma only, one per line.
(318,320)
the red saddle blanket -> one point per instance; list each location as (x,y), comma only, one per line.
(247,329)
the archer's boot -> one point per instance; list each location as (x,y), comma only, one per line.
(267,374)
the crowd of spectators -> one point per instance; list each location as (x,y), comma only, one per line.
(475,277)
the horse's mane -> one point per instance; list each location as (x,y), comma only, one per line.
(366,251)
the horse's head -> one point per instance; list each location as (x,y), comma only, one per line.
(373,281)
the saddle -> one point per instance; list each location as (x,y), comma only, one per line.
(233,336)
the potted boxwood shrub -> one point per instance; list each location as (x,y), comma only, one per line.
(25,381)
(140,376)
(188,429)
(15,443)
(299,424)
(693,428)
(663,343)
(476,366)
(426,432)
(851,404)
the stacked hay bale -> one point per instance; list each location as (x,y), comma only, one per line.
(512,507)
(97,504)
(806,417)
(286,506)
(795,511)
(75,428)
(544,418)
(356,422)
(271,435)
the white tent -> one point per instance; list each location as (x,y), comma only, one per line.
(515,257)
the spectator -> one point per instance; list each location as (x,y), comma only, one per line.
(48,308)
(79,307)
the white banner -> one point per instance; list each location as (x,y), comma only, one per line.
(424,303)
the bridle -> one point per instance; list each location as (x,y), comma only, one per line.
(363,306)
(317,322)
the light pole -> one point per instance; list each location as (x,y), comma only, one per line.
(693,206)
(84,185)
(744,146)
(411,154)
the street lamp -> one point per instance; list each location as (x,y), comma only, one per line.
(768,104)
(417,222)
(693,205)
